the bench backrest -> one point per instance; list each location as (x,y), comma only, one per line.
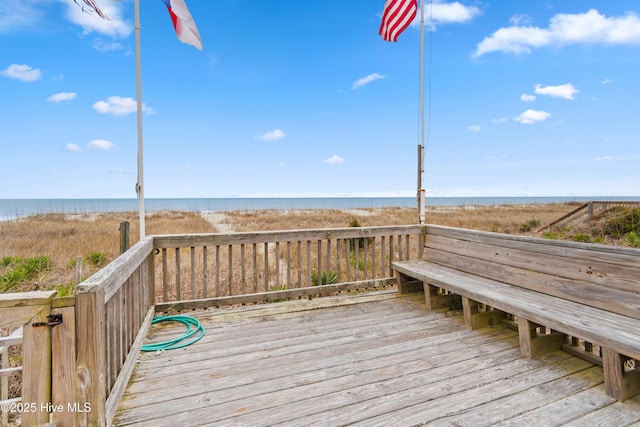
(605,277)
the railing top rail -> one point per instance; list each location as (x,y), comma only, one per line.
(185,240)
(18,308)
(111,277)
(24,299)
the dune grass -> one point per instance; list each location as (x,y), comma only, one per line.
(95,238)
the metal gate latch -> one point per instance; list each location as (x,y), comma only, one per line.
(54,320)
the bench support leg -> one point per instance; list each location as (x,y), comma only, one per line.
(619,384)
(534,345)
(435,300)
(476,319)
(407,284)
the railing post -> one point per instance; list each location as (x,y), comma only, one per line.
(124,236)
(78,269)
(91,360)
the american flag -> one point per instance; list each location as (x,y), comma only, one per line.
(397,16)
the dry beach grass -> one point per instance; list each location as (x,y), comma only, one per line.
(62,237)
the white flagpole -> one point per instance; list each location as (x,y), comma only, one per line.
(421,191)
(140,183)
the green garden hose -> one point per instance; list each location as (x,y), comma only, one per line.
(193,327)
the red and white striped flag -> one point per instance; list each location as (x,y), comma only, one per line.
(396,17)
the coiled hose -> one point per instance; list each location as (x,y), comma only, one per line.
(193,327)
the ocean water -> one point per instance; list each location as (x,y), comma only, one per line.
(17,208)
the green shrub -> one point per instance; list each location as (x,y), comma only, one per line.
(626,221)
(632,239)
(22,270)
(97,259)
(324,279)
(64,290)
(529,225)
(37,264)
(551,235)
(8,260)
(581,237)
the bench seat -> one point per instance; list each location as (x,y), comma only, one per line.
(582,291)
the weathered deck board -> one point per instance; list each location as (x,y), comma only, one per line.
(370,359)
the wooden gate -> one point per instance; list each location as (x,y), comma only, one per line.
(29,311)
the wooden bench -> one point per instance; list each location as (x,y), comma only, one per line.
(584,298)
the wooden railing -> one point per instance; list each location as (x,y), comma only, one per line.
(94,349)
(587,211)
(249,267)
(114,308)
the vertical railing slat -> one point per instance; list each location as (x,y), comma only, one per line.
(383,255)
(178,274)
(255,267)
(319,257)
(299,264)
(277,261)
(365,258)
(348,249)
(373,258)
(288,265)
(243,279)
(193,272)
(308,248)
(230,272)
(218,270)
(266,267)
(165,276)
(205,273)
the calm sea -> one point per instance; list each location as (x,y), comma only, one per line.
(16,208)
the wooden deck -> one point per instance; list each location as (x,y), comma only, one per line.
(374,359)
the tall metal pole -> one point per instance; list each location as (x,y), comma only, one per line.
(140,183)
(421,191)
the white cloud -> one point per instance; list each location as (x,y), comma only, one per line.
(119,106)
(272,135)
(527,98)
(532,116)
(90,22)
(62,96)
(366,80)
(565,91)
(103,46)
(72,147)
(334,160)
(19,14)
(22,72)
(608,158)
(606,81)
(475,128)
(564,29)
(500,120)
(521,19)
(447,13)
(101,144)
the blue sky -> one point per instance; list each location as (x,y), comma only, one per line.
(303,98)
